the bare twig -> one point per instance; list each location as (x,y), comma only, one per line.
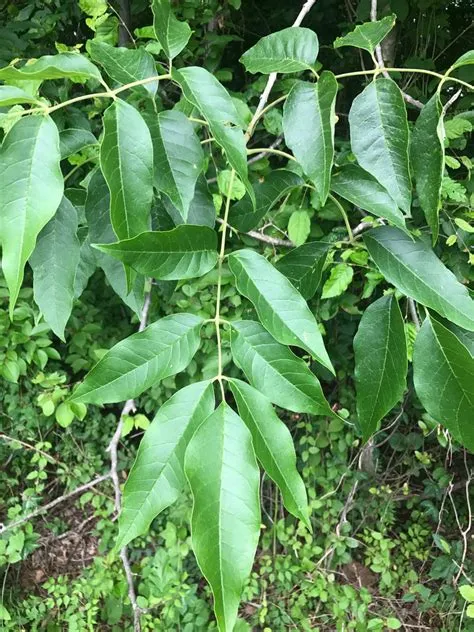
(380,62)
(413,313)
(464,532)
(28,446)
(272,241)
(273,76)
(278,141)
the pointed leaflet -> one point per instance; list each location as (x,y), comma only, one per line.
(428,160)
(244,216)
(100,230)
(379,138)
(185,252)
(172,34)
(443,373)
(309,119)
(273,446)
(412,267)
(225,522)
(210,97)
(368,35)
(290,50)
(11,95)
(63,66)
(178,157)
(381,362)
(202,211)
(303,266)
(464,60)
(280,307)
(157,477)
(54,261)
(31,188)
(361,189)
(133,365)
(125,65)
(126,160)
(275,370)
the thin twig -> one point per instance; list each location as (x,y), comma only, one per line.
(278,141)
(414,313)
(28,446)
(272,241)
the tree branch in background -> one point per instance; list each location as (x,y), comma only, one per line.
(124,35)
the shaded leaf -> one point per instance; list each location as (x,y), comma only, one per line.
(464,60)
(290,50)
(303,266)
(72,140)
(225,521)
(172,34)
(368,35)
(202,211)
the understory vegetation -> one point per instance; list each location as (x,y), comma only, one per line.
(277,267)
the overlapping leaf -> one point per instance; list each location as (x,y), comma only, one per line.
(273,446)
(157,476)
(280,307)
(12,95)
(303,266)
(172,34)
(368,35)
(309,120)
(31,190)
(133,365)
(202,211)
(225,521)
(416,271)
(70,66)
(275,370)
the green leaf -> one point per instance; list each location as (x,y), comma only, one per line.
(303,266)
(178,157)
(72,140)
(428,160)
(157,476)
(126,160)
(100,230)
(464,60)
(413,268)
(172,34)
(379,138)
(225,521)
(185,252)
(273,446)
(463,225)
(11,95)
(125,65)
(210,97)
(280,307)
(361,189)
(32,188)
(54,262)
(64,415)
(201,211)
(368,35)
(443,374)
(85,268)
(236,192)
(64,66)
(470,611)
(381,362)
(309,119)
(244,216)
(338,281)
(299,227)
(467,592)
(133,365)
(290,50)
(276,371)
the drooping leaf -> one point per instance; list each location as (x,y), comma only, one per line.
(185,252)
(225,522)
(202,211)
(412,267)
(178,157)
(290,50)
(31,190)
(428,160)
(273,446)
(133,365)
(157,476)
(309,120)
(72,140)
(63,66)
(11,95)
(125,65)
(368,35)
(100,231)
(280,307)
(361,189)
(210,97)
(172,34)
(303,266)
(339,280)
(54,262)
(276,371)
(278,183)
(126,160)
(443,373)
(464,60)
(379,138)
(381,362)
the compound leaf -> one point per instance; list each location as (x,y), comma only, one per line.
(290,50)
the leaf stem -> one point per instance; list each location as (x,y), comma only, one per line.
(270,150)
(217,317)
(344,216)
(377,71)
